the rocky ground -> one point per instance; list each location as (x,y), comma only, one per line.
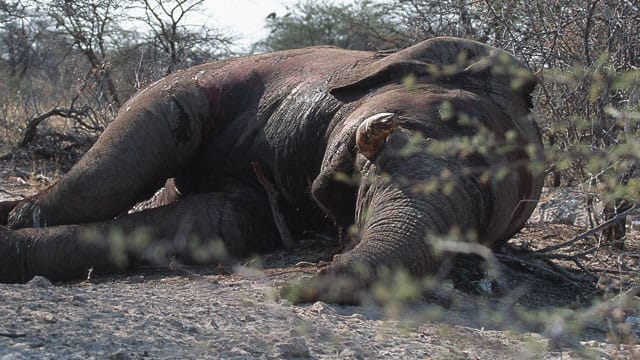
(536,311)
(173,317)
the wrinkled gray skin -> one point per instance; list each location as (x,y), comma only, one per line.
(308,119)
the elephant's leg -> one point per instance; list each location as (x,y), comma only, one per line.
(152,139)
(192,228)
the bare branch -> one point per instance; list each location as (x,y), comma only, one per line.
(590,232)
(32,126)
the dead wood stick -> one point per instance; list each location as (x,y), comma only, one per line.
(569,257)
(545,268)
(615,272)
(588,233)
(32,126)
(12,335)
(278,217)
(566,272)
(11,194)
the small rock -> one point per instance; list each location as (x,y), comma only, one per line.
(322,308)
(350,353)
(485,285)
(12,356)
(135,279)
(590,343)
(633,321)
(120,355)
(78,299)
(190,328)
(247,318)
(294,347)
(48,317)
(356,316)
(238,352)
(561,205)
(184,326)
(39,282)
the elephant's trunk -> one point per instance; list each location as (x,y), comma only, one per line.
(400,220)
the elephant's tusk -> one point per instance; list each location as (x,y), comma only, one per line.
(372,133)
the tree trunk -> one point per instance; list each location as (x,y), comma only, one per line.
(616,233)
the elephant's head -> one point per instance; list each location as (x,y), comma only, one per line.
(438,143)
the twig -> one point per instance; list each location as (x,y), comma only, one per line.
(588,233)
(281,271)
(564,271)
(560,274)
(568,257)
(13,335)
(278,217)
(634,291)
(546,258)
(11,194)
(580,254)
(32,126)
(305,264)
(616,272)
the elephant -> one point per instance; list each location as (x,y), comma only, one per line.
(387,152)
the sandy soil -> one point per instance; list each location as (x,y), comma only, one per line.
(238,317)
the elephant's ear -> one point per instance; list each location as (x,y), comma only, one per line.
(376,73)
(449,60)
(499,73)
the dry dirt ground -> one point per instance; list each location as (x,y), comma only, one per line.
(537,310)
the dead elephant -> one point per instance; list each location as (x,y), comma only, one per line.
(344,140)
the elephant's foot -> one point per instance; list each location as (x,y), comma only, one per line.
(25,214)
(342,282)
(12,257)
(5,209)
